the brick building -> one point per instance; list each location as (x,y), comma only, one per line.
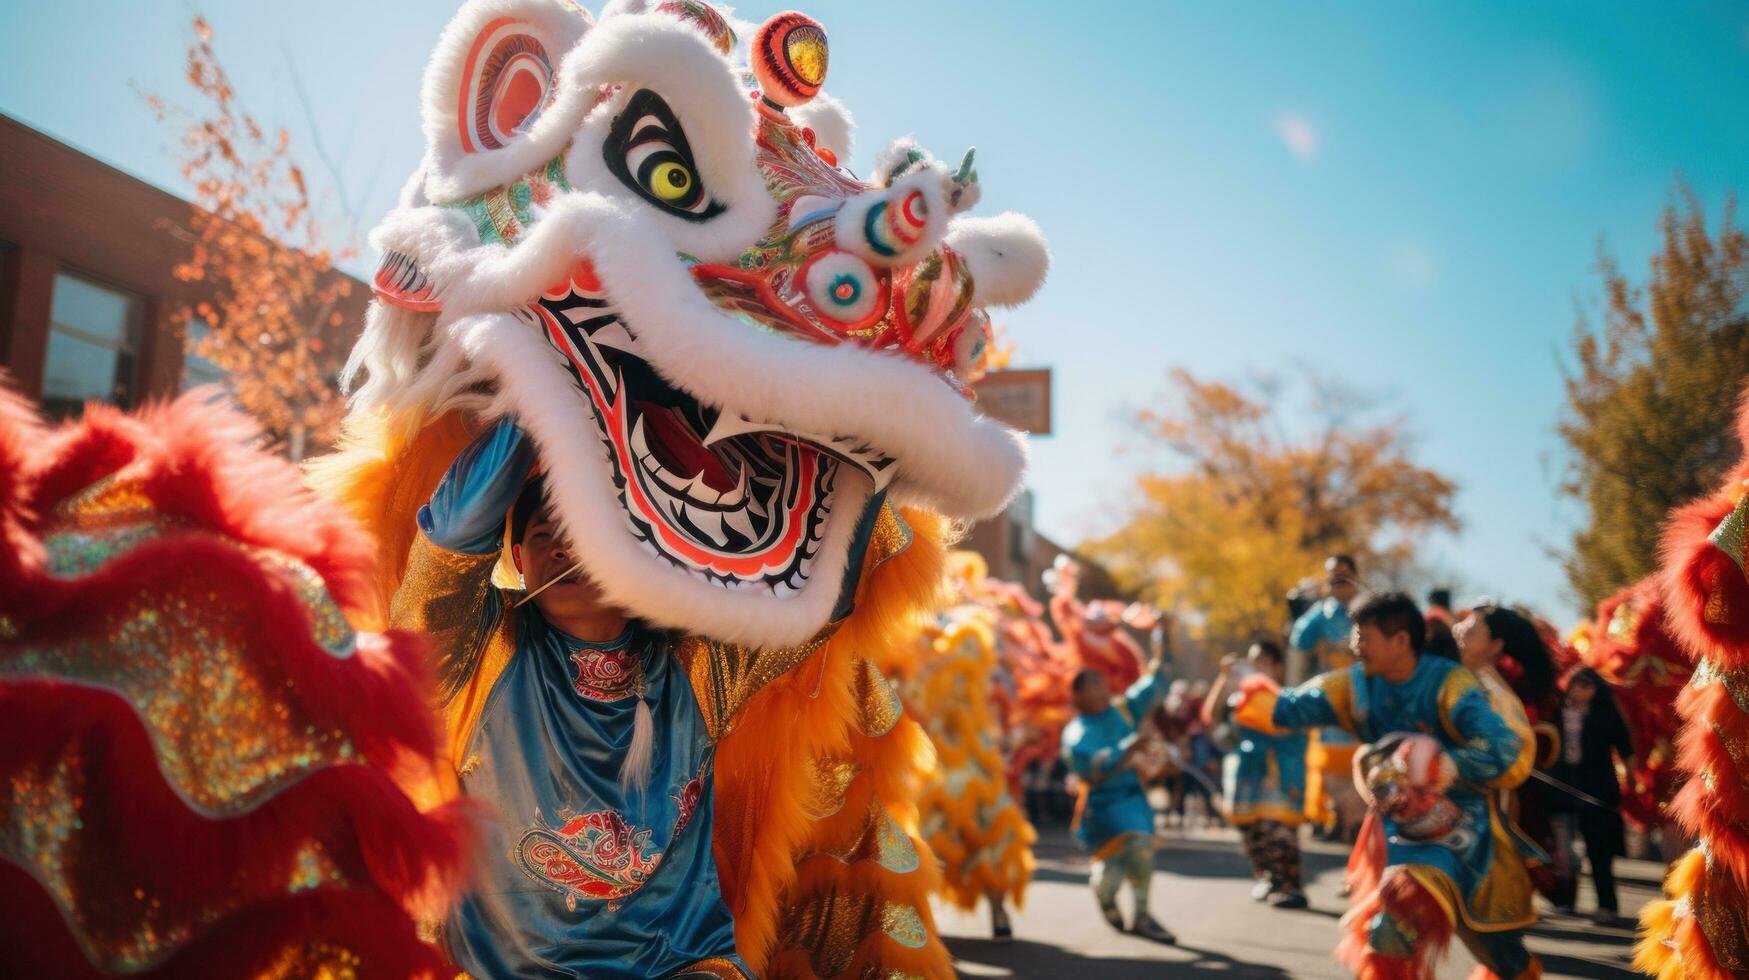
(86,290)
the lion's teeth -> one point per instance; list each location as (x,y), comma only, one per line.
(710,522)
(700,491)
(741,521)
(730,424)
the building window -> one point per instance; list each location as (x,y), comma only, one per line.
(93,334)
(197,370)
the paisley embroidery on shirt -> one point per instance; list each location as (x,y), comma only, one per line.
(687,801)
(594,856)
(607,675)
(599,856)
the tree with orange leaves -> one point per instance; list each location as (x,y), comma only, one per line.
(1256,502)
(260,247)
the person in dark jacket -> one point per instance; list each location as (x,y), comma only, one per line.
(1593,735)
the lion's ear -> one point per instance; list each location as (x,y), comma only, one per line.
(490,81)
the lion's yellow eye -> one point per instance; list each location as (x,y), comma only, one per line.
(671,181)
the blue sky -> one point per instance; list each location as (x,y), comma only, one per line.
(1405,196)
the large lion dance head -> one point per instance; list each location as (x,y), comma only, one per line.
(636,235)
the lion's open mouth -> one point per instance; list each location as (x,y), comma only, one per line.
(743,502)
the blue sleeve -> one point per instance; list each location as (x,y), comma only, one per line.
(1488,746)
(1145,693)
(1087,760)
(1307,629)
(466,512)
(1312,704)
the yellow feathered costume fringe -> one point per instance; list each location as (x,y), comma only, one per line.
(973,825)
(817,839)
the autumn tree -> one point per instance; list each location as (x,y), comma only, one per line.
(1248,503)
(259,247)
(1650,401)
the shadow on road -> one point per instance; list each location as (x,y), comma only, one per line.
(1024,958)
(1573,966)
(1189,858)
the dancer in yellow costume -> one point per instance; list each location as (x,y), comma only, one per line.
(968,818)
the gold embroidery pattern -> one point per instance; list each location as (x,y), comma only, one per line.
(445,595)
(725,676)
(879,839)
(878,708)
(1722,922)
(828,783)
(831,926)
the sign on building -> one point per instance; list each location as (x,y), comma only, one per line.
(1020,399)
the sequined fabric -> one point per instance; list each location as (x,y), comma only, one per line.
(181,747)
(878,839)
(878,708)
(187,658)
(1721,920)
(831,927)
(828,783)
(725,675)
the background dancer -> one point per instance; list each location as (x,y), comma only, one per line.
(1320,637)
(1265,782)
(1114,820)
(1439,752)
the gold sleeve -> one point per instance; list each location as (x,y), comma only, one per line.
(725,676)
(1338,688)
(1509,708)
(450,598)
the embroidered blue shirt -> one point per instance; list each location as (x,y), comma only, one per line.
(1480,856)
(580,878)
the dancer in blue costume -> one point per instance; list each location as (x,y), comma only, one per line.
(1321,637)
(586,733)
(1264,779)
(1115,820)
(1452,861)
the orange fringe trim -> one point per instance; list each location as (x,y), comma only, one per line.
(1673,946)
(766,785)
(1409,903)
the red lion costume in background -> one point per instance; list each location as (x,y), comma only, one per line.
(1699,931)
(198,746)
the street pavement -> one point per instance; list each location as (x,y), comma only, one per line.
(1201,892)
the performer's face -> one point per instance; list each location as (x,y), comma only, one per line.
(1342,581)
(1094,696)
(1476,643)
(546,554)
(1261,661)
(1382,653)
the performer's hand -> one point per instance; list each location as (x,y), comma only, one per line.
(1229,664)
(466,512)
(1254,705)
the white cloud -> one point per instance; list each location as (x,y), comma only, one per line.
(1298,135)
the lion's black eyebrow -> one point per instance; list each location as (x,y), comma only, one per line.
(647,118)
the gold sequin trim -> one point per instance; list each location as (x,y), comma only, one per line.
(878,838)
(121,929)
(1729,535)
(1725,930)
(725,676)
(828,782)
(181,653)
(831,927)
(877,707)
(1624,623)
